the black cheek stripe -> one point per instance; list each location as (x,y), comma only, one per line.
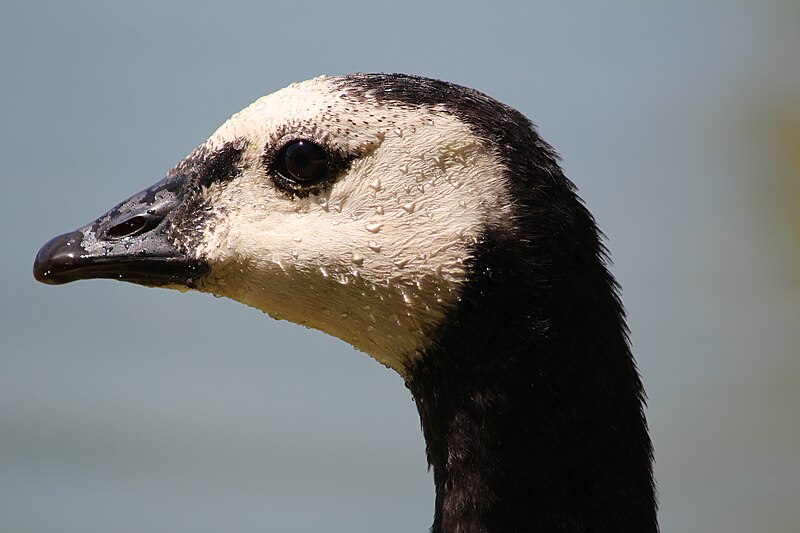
(205,166)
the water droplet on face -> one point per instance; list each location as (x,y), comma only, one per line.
(297,238)
(398,132)
(379,210)
(323,203)
(430,122)
(357,259)
(400,263)
(373,227)
(462,203)
(295,254)
(324,272)
(409,207)
(375,184)
(374,246)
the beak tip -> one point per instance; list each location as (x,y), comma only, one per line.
(56,256)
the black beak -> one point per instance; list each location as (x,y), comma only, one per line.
(133,242)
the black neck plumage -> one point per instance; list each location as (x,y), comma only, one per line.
(530,402)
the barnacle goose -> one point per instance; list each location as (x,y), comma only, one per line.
(429,226)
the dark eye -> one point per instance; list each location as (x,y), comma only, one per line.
(303,162)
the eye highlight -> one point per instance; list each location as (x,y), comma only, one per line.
(303,162)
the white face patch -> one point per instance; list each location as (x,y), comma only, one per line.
(378,257)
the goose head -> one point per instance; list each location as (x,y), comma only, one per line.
(326,204)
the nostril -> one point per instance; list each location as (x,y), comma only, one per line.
(131,227)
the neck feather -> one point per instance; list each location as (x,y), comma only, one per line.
(530,402)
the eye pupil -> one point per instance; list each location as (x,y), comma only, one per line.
(303,162)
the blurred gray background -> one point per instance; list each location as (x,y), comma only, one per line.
(124,409)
